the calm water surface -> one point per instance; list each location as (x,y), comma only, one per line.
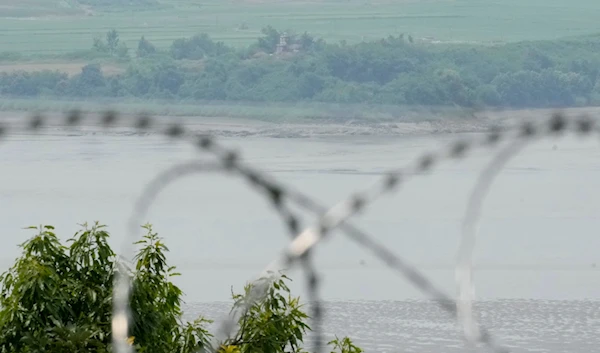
(536,252)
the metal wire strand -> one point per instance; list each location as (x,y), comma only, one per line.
(141,207)
(464,266)
(473,213)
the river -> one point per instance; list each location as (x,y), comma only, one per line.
(536,253)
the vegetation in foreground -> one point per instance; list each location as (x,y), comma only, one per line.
(58,298)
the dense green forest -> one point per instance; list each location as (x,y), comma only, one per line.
(396,70)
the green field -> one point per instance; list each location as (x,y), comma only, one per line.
(47,27)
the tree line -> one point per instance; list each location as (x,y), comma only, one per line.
(397,70)
(57,298)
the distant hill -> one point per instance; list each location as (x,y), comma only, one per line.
(239,22)
(31,8)
(118,3)
(40,8)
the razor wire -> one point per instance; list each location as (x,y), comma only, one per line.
(338,216)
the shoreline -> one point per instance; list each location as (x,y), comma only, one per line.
(249,127)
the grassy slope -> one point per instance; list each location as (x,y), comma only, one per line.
(34,8)
(351,20)
(271,112)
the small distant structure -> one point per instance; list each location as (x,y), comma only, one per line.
(282,46)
